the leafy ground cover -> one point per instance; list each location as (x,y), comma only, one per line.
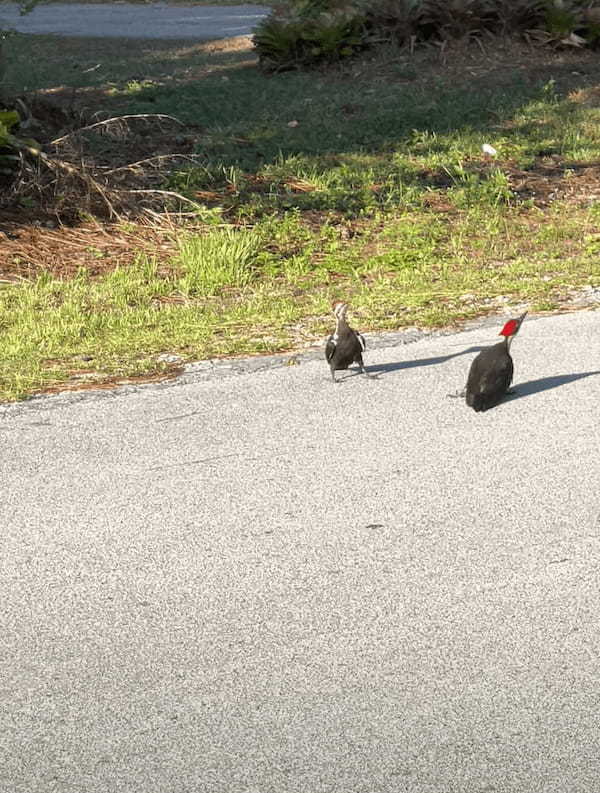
(367,181)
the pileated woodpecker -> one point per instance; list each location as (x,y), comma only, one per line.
(345,345)
(491,372)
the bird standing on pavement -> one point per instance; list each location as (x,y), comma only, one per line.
(345,345)
(492,370)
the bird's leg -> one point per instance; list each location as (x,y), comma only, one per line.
(458,394)
(362,370)
(333,375)
(366,374)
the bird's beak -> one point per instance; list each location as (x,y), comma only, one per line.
(521,318)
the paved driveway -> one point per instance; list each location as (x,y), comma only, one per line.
(135,20)
(259,581)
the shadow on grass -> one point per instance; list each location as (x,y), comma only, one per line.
(337,115)
(345,140)
(114,66)
(547,383)
(245,113)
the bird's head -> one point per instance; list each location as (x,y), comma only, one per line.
(511,328)
(339,309)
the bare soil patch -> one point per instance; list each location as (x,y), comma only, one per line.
(553,179)
(549,179)
(100,382)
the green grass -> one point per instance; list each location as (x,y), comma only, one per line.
(268,288)
(219,259)
(380,193)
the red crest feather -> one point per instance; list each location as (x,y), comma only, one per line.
(511,327)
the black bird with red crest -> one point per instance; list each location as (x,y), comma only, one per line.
(345,346)
(492,370)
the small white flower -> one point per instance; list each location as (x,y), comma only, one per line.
(487,149)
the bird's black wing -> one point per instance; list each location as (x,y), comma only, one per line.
(330,348)
(490,375)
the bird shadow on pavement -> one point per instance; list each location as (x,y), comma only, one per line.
(546,383)
(387,368)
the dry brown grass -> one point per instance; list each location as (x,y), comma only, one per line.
(42,245)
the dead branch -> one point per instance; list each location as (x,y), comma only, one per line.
(112,120)
(169,193)
(81,174)
(130,166)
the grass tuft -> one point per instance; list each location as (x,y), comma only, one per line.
(221,258)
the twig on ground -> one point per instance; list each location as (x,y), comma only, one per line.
(169,193)
(114,119)
(158,157)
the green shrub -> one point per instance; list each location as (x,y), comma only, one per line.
(572,21)
(289,40)
(9,156)
(456,18)
(316,31)
(396,19)
(13,148)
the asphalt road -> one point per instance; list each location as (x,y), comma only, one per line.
(135,20)
(260,582)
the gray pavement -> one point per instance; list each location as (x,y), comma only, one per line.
(135,20)
(262,582)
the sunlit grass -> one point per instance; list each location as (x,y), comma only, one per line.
(220,258)
(266,289)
